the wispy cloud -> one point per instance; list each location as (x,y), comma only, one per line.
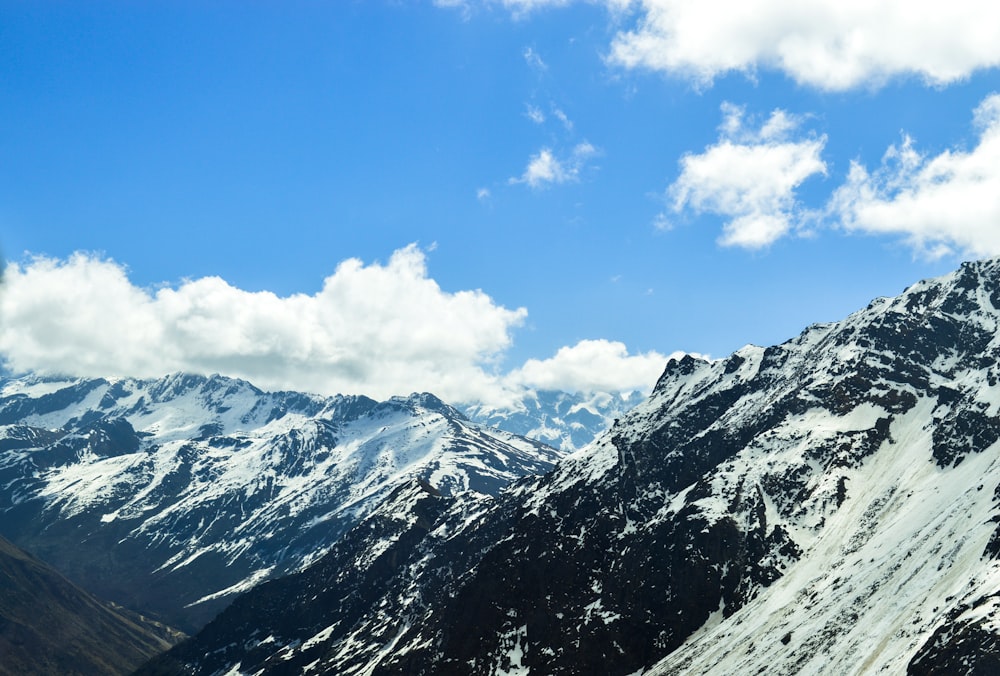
(534,114)
(562,117)
(533,59)
(545,168)
(749,177)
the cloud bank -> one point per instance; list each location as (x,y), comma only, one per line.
(375,329)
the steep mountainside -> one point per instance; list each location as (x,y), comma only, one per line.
(563,420)
(170,495)
(828,505)
(50,626)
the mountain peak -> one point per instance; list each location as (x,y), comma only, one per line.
(829,503)
(208,485)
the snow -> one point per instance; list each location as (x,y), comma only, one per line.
(319,637)
(243,585)
(513,645)
(890,544)
(33,387)
(252,480)
(869,590)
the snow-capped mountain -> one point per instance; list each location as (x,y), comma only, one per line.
(171,495)
(828,505)
(564,420)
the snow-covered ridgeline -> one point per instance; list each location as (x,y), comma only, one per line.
(193,471)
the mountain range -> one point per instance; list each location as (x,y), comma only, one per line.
(169,496)
(827,505)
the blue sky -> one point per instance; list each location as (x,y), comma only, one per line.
(645,177)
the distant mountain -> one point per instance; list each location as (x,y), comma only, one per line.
(50,626)
(563,420)
(171,495)
(828,505)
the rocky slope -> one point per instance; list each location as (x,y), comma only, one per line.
(171,495)
(828,505)
(50,626)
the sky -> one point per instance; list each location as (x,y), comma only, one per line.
(474,197)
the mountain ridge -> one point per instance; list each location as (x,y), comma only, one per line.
(208,485)
(825,504)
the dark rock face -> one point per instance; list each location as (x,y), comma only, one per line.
(961,646)
(50,626)
(350,578)
(792,489)
(170,496)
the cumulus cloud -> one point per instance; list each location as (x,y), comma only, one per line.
(749,177)
(592,366)
(829,44)
(949,203)
(372,329)
(545,168)
(833,45)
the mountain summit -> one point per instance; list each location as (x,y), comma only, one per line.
(827,505)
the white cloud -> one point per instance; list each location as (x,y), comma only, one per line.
(592,366)
(829,44)
(749,177)
(534,114)
(372,329)
(483,194)
(562,117)
(949,203)
(532,58)
(662,222)
(545,169)
(520,8)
